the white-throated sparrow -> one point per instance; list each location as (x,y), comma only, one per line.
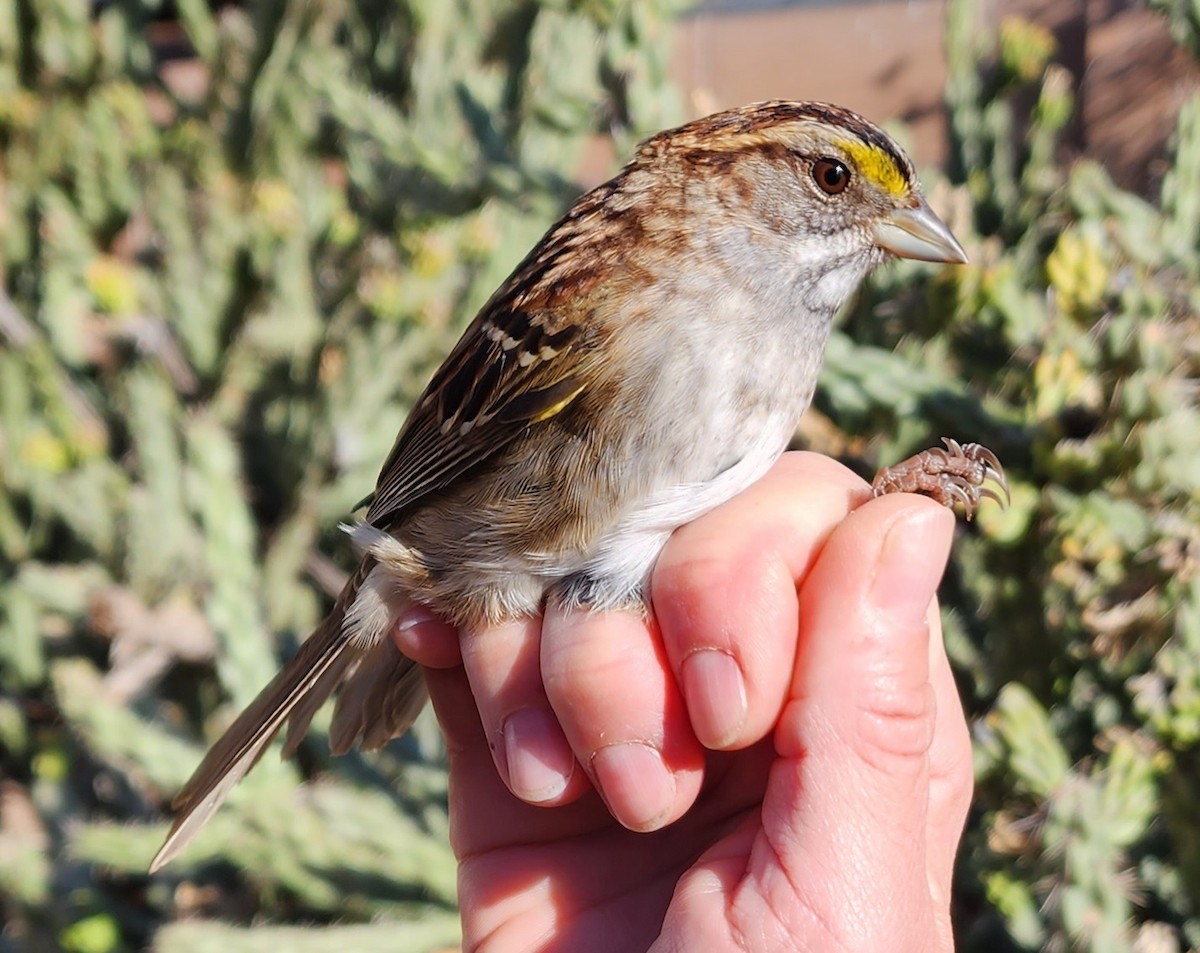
(647,361)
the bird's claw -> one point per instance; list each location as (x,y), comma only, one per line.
(962,473)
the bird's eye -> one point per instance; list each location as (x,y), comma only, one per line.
(831,175)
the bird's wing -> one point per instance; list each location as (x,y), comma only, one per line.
(511,369)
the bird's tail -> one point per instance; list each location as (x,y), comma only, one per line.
(305,682)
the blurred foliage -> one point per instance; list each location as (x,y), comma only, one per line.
(1071,346)
(231,257)
(1184,17)
(234,242)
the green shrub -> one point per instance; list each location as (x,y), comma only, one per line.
(1068,345)
(225,277)
(224,280)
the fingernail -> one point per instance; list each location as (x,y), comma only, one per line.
(716,696)
(416,617)
(539,759)
(418,629)
(636,785)
(910,565)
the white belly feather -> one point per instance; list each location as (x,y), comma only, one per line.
(625,556)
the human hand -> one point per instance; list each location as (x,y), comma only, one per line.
(818,805)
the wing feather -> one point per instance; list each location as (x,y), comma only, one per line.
(509,371)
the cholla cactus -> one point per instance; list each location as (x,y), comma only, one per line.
(224,278)
(1069,346)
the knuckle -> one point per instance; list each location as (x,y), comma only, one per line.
(679,583)
(896,725)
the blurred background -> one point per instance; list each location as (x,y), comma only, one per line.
(235,239)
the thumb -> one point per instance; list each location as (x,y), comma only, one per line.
(846,809)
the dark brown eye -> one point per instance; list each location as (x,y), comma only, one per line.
(831,175)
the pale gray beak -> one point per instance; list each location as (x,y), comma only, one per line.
(918,233)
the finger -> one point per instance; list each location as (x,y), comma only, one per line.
(724,594)
(951,774)
(426,638)
(483,813)
(530,750)
(607,678)
(458,718)
(848,803)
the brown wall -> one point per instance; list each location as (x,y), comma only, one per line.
(884,58)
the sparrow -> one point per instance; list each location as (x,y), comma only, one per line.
(648,360)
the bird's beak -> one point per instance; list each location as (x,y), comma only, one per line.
(918,233)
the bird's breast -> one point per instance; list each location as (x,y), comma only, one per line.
(582,505)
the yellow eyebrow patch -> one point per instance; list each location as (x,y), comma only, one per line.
(876,165)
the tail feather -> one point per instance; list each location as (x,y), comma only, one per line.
(299,689)
(378,702)
(306,708)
